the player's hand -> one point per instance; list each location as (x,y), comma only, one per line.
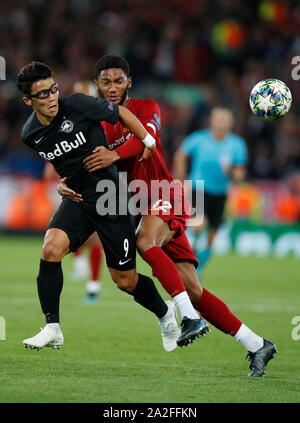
(100,159)
(67,192)
(148,151)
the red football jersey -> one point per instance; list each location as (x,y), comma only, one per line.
(176,211)
(154,168)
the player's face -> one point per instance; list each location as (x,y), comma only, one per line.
(113,85)
(46,108)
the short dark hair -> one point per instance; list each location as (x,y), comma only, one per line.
(30,74)
(111,61)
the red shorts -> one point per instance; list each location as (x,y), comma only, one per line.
(176,212)
(174,209)
(179,249)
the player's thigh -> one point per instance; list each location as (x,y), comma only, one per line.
(73,220)
(93,240)
(152,231)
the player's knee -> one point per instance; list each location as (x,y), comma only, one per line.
(144,243)
(52,251)
(124,281)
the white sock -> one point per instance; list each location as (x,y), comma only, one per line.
(185,306)
(93,287)
(249,339)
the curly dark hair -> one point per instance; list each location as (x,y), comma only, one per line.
(111,61)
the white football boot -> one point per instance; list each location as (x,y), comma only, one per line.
(49,336)
(170,330)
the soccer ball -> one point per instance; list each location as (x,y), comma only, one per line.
(270,99)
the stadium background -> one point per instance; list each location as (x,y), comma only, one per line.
(188,55)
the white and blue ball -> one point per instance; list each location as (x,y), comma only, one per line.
(270,99)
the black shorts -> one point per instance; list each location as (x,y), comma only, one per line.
(117,233)
(213,208)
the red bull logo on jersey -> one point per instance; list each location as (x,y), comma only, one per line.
(64,147)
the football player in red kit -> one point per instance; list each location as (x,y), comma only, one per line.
(161,239)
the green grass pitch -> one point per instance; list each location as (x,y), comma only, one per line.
(113,350)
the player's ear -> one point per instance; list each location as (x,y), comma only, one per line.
(129,82)
(96,83)
(27,101)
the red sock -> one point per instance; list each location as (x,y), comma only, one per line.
(217,313)
(95,261)
(77,252)
(165,270)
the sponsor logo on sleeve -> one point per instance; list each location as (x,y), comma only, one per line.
(156,121)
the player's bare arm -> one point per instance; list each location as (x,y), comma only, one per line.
(67,192)
(102,157)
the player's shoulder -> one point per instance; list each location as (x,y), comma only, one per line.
(79,100)
(29,128)
(72,99)
(144,103)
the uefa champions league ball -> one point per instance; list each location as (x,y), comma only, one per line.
(270,99)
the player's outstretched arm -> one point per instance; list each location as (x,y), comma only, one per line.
(131,122)
(102,157)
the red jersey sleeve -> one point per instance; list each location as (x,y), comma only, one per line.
(130,148)
(148,113)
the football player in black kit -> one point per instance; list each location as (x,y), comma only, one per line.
(65,131)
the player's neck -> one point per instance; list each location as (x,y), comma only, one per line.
(44,120)
(125,102)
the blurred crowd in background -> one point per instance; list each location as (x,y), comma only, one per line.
(188,55)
